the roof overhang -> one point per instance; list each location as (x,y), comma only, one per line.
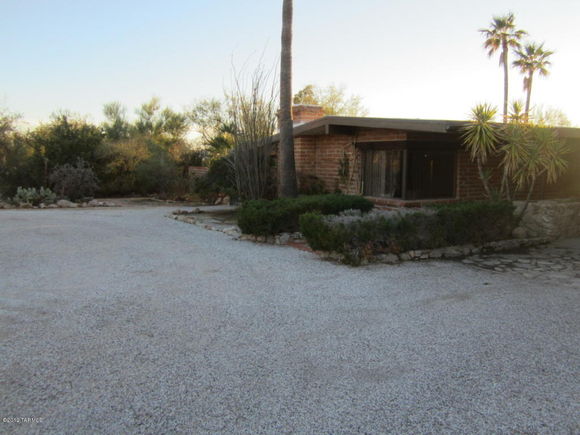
(350,125)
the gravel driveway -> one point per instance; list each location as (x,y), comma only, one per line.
(123,321)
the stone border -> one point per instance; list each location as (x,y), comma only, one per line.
(62,203)
(449,252)
(199,219)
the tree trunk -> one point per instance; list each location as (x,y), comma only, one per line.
(528,96)
(528,198)
(483,178)
(287,169)
(505,82)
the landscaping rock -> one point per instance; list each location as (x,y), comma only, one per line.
(519,233)
(63,203)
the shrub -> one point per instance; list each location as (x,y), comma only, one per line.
(32,196)
(311,185)
(476,222)
(357,238)
(219,180)
(262,217)
(74,181)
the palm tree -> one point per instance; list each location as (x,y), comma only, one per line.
(287,168)
(531,58)
(502,34)
(481,138)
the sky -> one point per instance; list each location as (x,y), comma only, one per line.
(405,58)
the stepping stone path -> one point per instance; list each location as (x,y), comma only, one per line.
(558,262)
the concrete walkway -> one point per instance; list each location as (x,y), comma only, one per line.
(124,321)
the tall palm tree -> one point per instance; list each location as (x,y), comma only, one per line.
(287,168)
(531,58)
(503,35)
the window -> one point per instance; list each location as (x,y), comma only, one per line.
(409,173)
(382,173)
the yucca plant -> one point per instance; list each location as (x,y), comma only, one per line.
(481,138)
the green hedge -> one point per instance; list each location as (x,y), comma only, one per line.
(263,218)
(455,224)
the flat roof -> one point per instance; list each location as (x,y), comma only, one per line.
(321,126)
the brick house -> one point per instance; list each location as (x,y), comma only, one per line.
(403,162)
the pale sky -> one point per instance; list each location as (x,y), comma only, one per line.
(406,59)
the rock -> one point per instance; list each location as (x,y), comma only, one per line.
(519,233)
(389,258)
(52,206)
(63,203)
(404,256)
(284,238)
(42,205)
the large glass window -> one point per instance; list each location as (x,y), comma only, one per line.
(428,174)
(382,173)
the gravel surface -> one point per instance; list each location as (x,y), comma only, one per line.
(124,321)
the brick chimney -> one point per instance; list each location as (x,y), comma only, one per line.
(302,113)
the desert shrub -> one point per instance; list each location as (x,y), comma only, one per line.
(218,181)
(263,217)
(158,174)
(360,237)
(311,185)
(33,196)
(74,181)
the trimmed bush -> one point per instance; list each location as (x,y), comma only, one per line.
(263,218)
(363,237)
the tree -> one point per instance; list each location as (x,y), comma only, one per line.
(333,100)
(503,35)
(542,154)
(481,139)
(527,152)
(532,58)
(550,117)
(116,126)
(211,120)
(288,186)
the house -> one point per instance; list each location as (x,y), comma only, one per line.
(404,162)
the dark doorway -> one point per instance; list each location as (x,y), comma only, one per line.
(430,174)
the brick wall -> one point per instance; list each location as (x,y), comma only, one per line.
(321,156)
